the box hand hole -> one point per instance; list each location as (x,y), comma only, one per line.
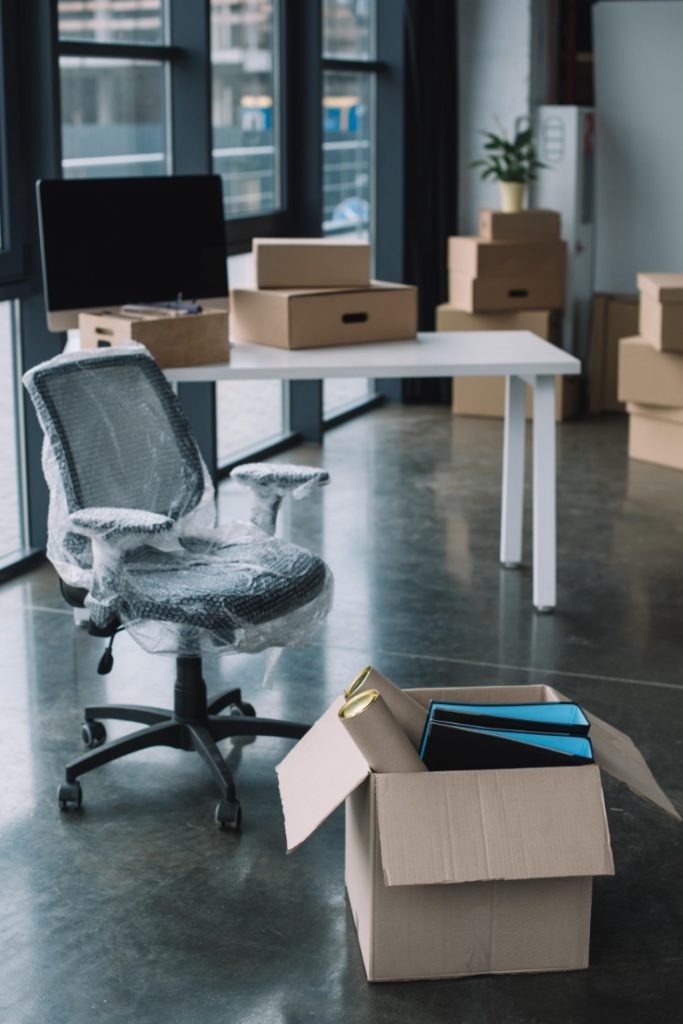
(518,293)
(354,318)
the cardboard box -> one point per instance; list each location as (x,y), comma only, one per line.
(661,311)
(485,396)
(192,340)
(312,318)
(459,873)
(311,263)
(613,317)
(525,226)
(655,434)
(648,376)
(493,294)
(475,257)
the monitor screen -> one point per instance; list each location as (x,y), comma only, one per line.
(111,241)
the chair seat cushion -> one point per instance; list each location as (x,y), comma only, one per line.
(220,586)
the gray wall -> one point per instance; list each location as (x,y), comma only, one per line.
(495,82)
(639,140)
(507,64)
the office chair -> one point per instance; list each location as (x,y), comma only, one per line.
(132,535)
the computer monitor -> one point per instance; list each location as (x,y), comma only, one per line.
(111,241)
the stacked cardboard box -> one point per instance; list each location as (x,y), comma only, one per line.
(651,373)
(510,278)
(613,317)
(313,292)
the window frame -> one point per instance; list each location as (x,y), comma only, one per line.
(12,222)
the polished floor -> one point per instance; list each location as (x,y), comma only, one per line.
(138,909)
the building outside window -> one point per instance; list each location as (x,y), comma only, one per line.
(246,104)
(113,110)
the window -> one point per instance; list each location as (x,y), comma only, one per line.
(250,414)
(113,117)
(108,21)
(245,104)
(348,142)
(348,29)
(114,87)
(347,135)
(12,538)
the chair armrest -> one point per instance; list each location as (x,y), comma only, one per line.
(118,522)
(270,482)
(112,531)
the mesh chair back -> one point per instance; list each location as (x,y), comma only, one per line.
(118,434)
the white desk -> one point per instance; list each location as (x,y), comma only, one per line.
(518,355)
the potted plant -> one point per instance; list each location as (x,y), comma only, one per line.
(512,163)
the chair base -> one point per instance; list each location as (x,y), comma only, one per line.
(193,724)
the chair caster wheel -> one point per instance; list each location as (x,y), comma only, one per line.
(93,733)
(70,794)
(247,709)
(228,815)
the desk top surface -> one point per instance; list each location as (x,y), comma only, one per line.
(434,354)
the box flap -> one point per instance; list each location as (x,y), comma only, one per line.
(663,287)
(618,755)
(318,774)
(330,243)
(523,823)
(374,286)
(516,694)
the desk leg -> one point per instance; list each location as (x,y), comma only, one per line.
(544,495)
(513,473)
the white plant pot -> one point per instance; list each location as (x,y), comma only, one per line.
(512,196)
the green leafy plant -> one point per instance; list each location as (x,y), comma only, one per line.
(509,160)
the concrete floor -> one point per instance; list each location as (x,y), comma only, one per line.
(138,909)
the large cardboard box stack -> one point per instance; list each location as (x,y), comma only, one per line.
(468,872)
(510,278)
(314,292)
(651,373)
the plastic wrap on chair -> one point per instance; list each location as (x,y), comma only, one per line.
(132,517)
(270,482)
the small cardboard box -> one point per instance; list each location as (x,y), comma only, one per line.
(191,340)
(524,226)
(647,376)
(485,396)
(317,317)
(613,317)
(655,434)
(493,294)
(661,311)
(459,873)
(475,257)
(311,263)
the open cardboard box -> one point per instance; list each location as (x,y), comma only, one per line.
(459,873)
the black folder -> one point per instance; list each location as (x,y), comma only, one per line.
(451,747)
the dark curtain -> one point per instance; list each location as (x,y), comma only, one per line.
(431,164)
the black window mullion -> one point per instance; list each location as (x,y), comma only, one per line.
(303,127)
(39,110)
(124,51)
(190,103)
